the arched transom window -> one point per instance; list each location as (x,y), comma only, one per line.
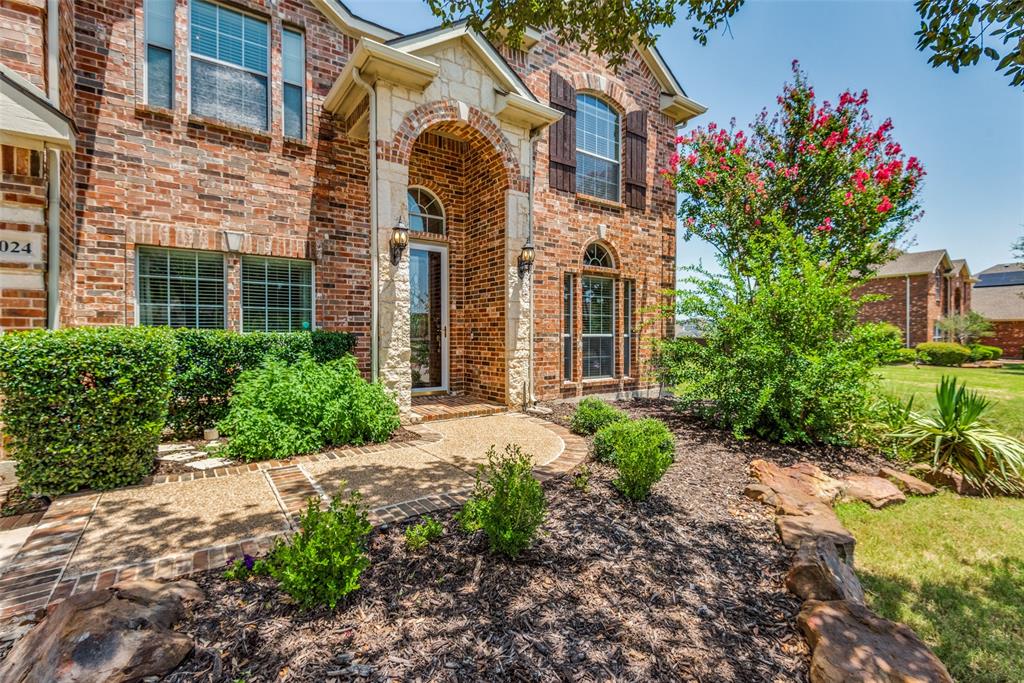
(597,148)
(597,255)
(425,212)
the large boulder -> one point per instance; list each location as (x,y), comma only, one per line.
(817,573)
(907,483)
(801,481)
(118,635)
(946,478)
(852,644)
(794,530)
(875,491)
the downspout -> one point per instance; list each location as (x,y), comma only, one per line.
(907,298)
(371,94)
(53,172)
(534,136)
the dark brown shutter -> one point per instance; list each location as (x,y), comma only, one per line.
(562,136)
(636,159)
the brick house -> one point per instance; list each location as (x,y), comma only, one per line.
(921,288)
(252,164)
(999,296)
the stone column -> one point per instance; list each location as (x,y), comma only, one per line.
(393,300)
(517,291)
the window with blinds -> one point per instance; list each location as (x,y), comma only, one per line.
(293,57)
(627,327)
(567,315)
(159,18)
(597,148)
(229,57)
(277,295)
(181,288)
(598,327)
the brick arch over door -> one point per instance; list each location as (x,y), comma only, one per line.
(468,123)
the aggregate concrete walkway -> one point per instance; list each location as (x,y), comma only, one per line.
(177,524)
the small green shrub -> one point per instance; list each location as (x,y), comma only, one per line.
(980,352)
(84,407)
(904,355)
(421,535)
(581,479)
(641,450)
(282,409)
(592,414)
(957,436)
(508,503)
(943,353)
(886,338)
(612,438)
(322,563)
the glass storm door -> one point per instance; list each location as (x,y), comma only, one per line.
(428,317)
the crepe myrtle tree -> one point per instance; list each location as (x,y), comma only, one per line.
(825,168)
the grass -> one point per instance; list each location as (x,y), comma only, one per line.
(952,569)
(1005,386)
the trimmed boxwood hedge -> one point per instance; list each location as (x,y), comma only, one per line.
(84,407)
(943,353)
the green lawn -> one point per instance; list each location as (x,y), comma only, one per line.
(953,570)
(1005,386)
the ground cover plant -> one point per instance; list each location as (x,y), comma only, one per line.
(1003,386)
(283,409)
(952,568)
(419,536)
(592,414)
(84,407)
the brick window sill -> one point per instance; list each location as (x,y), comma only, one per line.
(600,201)
(144,109)
(237,128)
(602,381)
(297,143)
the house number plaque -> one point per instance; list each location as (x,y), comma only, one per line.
(21,247)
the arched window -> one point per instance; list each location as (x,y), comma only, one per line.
(597,255)
(425,212)
(597,148)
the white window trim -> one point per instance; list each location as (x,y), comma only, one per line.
(138,292)
(444,212)
(609,335)
(618,144)
(302,85)
(212,60)
(312,290)
(146,42)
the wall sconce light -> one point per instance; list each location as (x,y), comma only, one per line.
(399,241)
(526,258)
(233,240)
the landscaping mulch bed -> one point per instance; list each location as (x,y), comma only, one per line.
(16,502)
(685,586)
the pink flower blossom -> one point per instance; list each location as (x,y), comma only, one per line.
(859,176)
(849,199)
(826,225)
(691,159)
(771,165)
(884,205)
(673,160)
(701,182)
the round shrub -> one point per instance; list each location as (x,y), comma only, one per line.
(508,503)
(642,457)
(648,432)
(981,352)
(84,407)
(904,355)
(943,353)
(592,414)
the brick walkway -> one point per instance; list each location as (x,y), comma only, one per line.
(174,525)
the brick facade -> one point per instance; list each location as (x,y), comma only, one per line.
(146,176)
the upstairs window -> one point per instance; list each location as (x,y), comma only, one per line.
(230,58)
(597,148)
(425,212)
(293,56)
(159,18)
(181,288)
(277,295)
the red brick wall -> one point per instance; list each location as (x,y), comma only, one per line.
(1009,336)
(924,306)
(644,241)
(23,39)
(22,185)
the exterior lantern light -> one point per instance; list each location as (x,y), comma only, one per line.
(526,258)
(399,241)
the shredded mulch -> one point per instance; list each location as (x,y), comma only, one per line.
(17,502)
(686,586)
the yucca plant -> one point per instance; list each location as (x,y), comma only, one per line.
(957,436)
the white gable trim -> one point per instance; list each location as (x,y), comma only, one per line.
(349,23)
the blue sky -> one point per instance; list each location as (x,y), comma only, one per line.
(967,128)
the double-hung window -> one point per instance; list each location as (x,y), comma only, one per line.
(230,57)
(159,18)
(277,294)
(598,326)
(181,288)
(293,56)
(597,148)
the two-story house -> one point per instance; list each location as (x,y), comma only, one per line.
(919,289)
(489,221)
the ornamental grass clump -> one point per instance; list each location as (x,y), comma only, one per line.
(956,436)
(592,414)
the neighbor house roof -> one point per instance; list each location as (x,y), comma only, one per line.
(914,263)
(28,119)
(999,303)
(1002,275)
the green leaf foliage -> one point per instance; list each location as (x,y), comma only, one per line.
(647,432)
(592,414)
(983,352)
(943,353)
(955,32)
(322,563)
(84,407)
(280,409)
(419,536)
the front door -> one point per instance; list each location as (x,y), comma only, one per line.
(428,317)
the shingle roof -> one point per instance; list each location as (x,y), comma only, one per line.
(1002,275)
(912,263)
(999,303)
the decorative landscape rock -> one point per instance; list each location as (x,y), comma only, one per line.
(907,483)
(875,491)
(117,635)
(800,481)
(817,573)
(794,530)
(850,643)
(947,478)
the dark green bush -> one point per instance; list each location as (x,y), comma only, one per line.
(209,363)
(84,407)
(419,536)
(592,414)
(981,352)
(642,453)
(887,338)
(322,563)
(904,355)
(943,353)
(508,503)
(612,439)
(282,409)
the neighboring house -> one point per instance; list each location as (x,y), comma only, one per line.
(920,289)
(218,174)
(999,296)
